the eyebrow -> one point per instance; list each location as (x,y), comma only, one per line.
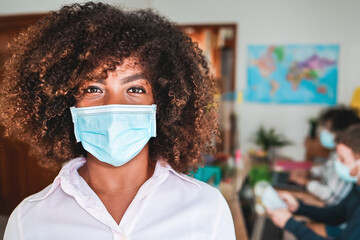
(133,78)
(126,79)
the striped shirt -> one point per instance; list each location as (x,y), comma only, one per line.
(330,188)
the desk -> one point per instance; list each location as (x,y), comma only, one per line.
(230,192)
(318,228)
(308,198)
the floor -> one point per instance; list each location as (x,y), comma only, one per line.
(3,221)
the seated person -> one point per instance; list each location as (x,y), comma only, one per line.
(347,211)
(330,188)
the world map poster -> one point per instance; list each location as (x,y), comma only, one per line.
(292,74)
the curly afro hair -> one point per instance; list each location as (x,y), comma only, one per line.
(53,58)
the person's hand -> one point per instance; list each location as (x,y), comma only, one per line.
(279,216)
(299,176)
(290,200)
(355,171)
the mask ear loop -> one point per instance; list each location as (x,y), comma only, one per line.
(356,164)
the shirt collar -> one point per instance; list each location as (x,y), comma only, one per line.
(69,176)
(167,167)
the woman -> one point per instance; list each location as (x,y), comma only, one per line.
(131,94)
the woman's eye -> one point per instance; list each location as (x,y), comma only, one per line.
(136,90)
(92,89)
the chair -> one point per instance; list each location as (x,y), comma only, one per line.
(208,174)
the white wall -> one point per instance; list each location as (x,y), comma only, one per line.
(281,22)
(261,22)
(9,7)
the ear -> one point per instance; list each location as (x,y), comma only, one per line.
(355,170)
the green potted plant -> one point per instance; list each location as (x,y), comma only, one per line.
(269,140)
(259,173)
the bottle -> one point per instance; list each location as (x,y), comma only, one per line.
(238,160)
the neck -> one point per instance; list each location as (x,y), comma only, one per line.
(106,179)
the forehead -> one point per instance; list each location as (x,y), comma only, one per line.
(129,66)
(130,63)
(327,125)
(343,149)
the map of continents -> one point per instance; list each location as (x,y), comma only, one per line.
(297,74)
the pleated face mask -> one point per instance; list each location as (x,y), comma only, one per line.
(327,139)
(344,171)
(114,134)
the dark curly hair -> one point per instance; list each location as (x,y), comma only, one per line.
(53,58)
(339,117)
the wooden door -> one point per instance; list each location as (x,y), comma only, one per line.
(20,175)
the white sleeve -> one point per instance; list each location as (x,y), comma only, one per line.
(13,230)
(321,191)
(224,224)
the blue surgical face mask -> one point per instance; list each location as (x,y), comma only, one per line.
(344,171)
(327,139)
(114,134)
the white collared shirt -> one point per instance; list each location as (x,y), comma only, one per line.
(168,206)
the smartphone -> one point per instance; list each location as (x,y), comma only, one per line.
(271,200)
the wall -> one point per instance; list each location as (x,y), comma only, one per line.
(8,7)
(262,22)
(281,22)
